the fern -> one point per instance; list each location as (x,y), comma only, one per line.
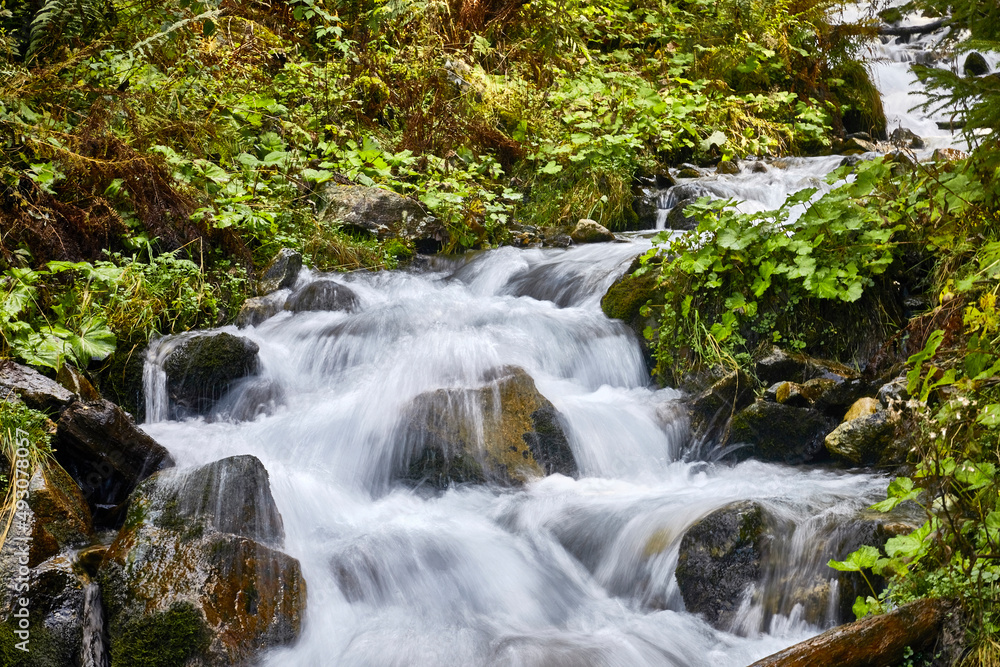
(60,20)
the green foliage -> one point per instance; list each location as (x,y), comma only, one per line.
(164,639)
(20,427)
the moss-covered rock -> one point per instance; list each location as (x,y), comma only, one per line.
(779,433)
(862,440)
(711,410)
(719,557)
(625,299)
(197,565)
(202,368)
(282,272)
(259,308)
(504,432)
(380,213)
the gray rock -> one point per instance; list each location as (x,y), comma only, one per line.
(711,410)
(589,231)
(37,391)
(905,138)
(676,219)
(856,146)
(202,369)
(381,213)
(259,308)
(861,441)
(893,392)
(505,432)
(758,168)
(282,272)
(322,295)
(975,65)
(779,366)
(106,454)
(779,433)
(689,171)
(176,573)
(720,556)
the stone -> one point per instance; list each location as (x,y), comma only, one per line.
(282,272)
(758,168)
(803,395)
(711,410)
(778,433)
(948,155)
(975,65)
(893,392)
(856,146)
(589,231)
(76,382)
(177,582)
(727,167)
(251,398)
(625,299)
(323,295)
(862,440)
(105,453)
(203,367)
(37,391)
(720,556)
(862,408)
(258,309)
(779,366)
(878,640)
(836,400)
(677,219)
(504,432)
(905,138)
(382,213)
(689,172)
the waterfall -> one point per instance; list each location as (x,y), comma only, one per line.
(94,650)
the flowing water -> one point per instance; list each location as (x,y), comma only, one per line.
(564,571)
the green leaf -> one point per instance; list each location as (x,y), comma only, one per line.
(95,341)
(717,138)
(989,415)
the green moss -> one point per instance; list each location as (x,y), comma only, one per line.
(626,297)
(861,103)
(44,649)
(166,639)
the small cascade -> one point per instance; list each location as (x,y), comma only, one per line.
(94,649)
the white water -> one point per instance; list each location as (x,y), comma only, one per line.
(560,572)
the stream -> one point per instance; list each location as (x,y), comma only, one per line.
(563,571)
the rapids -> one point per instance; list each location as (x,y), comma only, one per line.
(563,571)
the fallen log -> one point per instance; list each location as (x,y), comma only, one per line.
(900,31)
(870,642)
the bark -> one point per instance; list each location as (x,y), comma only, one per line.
(871,642)
(913,29)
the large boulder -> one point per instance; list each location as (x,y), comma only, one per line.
(975,65)
(282,272)
(711,410)
(195,575)
(590,231)
(322,295)
(34,389)
(504,432)
(382,213)
(202,368)
(259,308)
(903,137)
(720,556)
(678,219)
(106,453)
(778,433)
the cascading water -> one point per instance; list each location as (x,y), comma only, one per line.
(564,571)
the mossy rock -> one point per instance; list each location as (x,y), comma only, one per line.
(164,639)
(779,433)
(720,556)
(503,432)
(202,369)
(625,299)
(860,100)
(862,441)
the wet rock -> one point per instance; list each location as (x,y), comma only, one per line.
(780,366)
(56,613)
(862,440)
(250,399)
(504,432)
(589,231)
(856,146)
(282,272)
(842,395)
(720,556)
(975,65)
(557,240)
(647,210)
(905,138)
(625,299)
(727,167)
(57,513)
(677,219)
(381,213)
(851,160)
(259,308)
(37,391)
(105,453)
(758,168)
(948,155)
(202,369)
(862,408)
(195,574)
(711,410)
(689,171)
(803,395)
(893,392)
(771,393)
(322,295)
(76,382)
(779,433)
(878,640)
